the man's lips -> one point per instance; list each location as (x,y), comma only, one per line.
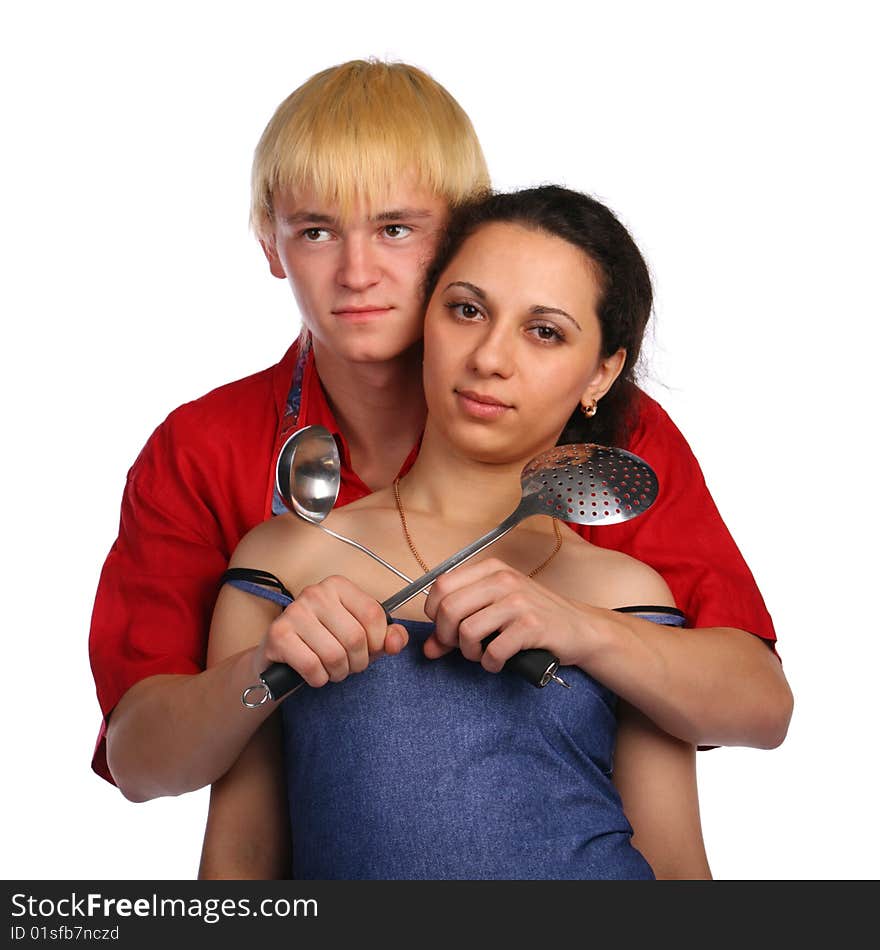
(481,405)
(366,311)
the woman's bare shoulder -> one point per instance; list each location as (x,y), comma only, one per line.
(608,578)
(279,545)
(367,518)
(300,553)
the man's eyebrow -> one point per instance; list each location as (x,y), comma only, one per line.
(393,214)
(396,214)
(538,309)
(312,217)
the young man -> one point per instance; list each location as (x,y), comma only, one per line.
(353,181)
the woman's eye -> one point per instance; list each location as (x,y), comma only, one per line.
(546,333)
(466,310)
(397,231)
(316,235)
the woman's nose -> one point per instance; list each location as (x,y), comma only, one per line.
(494,353)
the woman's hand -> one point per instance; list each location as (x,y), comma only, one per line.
(476,600)
(331,630)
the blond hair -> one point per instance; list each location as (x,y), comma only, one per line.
(352,130)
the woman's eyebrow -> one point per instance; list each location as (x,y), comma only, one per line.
(538,310)
(473,288)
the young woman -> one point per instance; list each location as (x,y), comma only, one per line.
(409,758)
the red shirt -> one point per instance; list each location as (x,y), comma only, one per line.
(206,477)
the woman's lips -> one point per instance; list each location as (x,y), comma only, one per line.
(480,405)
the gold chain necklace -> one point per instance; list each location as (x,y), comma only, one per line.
(426,569)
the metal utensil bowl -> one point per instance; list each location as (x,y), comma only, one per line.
(589,484)
(308,476)
(307,473)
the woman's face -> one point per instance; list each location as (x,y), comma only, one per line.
(513,342)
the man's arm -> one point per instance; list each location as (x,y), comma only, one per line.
(149,637)
(708,687)
(201,482)
(172,734)
(705,687)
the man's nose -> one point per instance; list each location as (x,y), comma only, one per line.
(359,265)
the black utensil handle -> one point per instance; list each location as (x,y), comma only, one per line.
(538,666)
(280,679)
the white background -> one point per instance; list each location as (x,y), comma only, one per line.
(738,143)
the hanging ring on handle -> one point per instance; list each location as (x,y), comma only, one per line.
(245,696)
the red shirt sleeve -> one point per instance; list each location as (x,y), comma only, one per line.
(199,485)
(683,537)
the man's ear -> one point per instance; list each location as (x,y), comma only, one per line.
(607,371)
(271,252)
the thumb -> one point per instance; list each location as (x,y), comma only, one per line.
(396,638)
(434,649)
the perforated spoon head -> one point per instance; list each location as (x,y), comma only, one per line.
(589,484)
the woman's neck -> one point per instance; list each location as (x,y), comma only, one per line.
(455,489)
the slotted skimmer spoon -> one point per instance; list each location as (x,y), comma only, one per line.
(583,483)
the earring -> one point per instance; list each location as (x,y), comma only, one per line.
(590,411)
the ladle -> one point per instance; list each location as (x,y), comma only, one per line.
(308,475)
(582,483)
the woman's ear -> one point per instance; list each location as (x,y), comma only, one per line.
(270,250)
(609,368)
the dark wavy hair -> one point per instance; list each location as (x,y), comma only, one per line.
(626,294)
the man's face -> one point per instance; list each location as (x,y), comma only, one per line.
(358,282)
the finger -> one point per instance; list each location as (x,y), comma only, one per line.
(289,648)
(352,617)
(491,621)
(366,610)
(467,574)
(434,649)
(396,638)
(334,635)
(460,605)
(326,637)
(502,645)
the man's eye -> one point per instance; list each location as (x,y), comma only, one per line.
(397,231)
(315,235)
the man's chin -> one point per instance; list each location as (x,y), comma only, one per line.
(376,355)
(366,350)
